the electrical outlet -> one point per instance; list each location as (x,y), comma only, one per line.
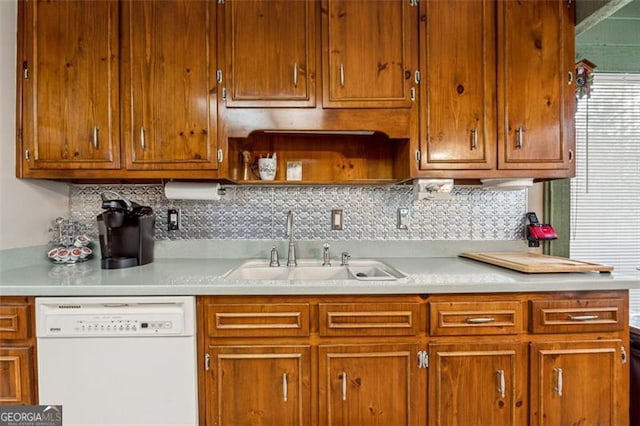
(403,218)
(173,219)
(336,219)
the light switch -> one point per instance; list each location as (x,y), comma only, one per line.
(336,219)
(173,219)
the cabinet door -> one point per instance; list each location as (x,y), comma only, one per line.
(258,385)
(269,53)
(369,51)
(169,87)
(458,114)
(477,384)
(370,385)
(579,383)
(16,376)
(69,85)
(536,103)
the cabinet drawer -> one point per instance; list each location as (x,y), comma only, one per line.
(264,319)
(368,319)
(14,322)
(475,318)
(577,315)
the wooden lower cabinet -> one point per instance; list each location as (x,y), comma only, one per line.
(17,352)
(259,385)
(369,384)
(483,384)
(310,361)
(579,383)
(16,383)
(556,358)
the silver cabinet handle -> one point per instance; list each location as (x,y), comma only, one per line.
(27,154)
(344,386)
(96,137)
(142,141)
(285,390)
(295,74)
(342,75)
(583,317)
(482,320)
(412,94)
(501,383)
(558,373)
(570,80)
(474,138)
(519,137)
(623,354)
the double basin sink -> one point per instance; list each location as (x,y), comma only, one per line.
(311,270)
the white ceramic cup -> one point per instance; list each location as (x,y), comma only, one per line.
(267,168)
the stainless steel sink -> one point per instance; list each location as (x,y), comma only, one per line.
(252,271)
(315,273)
(310,270)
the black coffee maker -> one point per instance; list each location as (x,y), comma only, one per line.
(126,232)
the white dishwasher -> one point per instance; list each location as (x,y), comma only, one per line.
(118,360)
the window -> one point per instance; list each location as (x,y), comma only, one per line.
(605,194)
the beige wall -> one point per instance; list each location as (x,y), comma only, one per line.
(27,207)
(535,200)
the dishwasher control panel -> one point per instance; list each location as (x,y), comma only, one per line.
(113,319)
(117,325)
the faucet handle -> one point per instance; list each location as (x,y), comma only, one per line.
(345,258)
(275,258)
(326,257)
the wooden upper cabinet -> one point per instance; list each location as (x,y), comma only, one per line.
(169,103)
(369,50)
(458,117)
(497,93)
(536,107)
(269,53)
(69,82)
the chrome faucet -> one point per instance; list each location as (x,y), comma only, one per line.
(291,256)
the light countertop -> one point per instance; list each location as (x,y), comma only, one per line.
(175,275)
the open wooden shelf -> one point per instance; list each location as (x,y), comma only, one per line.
(326,159)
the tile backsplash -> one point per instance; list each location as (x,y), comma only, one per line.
(369,212)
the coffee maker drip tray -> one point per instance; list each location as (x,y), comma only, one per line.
(119,262)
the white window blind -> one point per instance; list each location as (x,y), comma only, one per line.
(605,194)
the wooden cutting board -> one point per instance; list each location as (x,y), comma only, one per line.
(534,263)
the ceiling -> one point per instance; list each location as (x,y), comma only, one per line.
(608,34)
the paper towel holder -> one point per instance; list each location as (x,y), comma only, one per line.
(432,189)
(193,190)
